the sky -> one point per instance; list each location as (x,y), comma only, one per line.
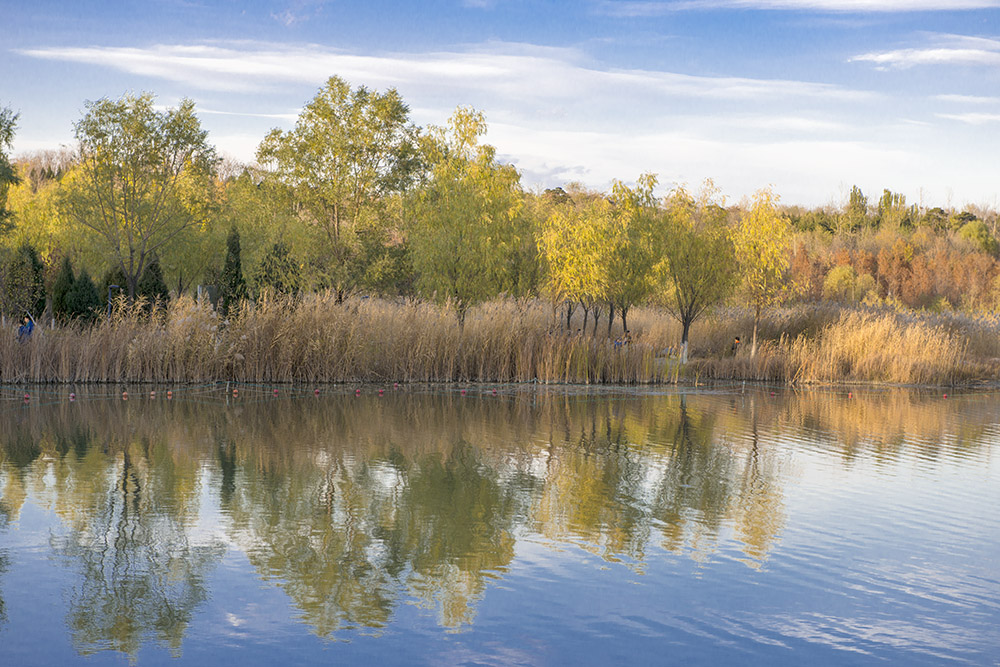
(809,97)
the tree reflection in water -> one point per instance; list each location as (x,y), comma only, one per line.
(356,505)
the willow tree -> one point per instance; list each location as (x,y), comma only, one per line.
(631,250)
(573,241)
(349,151)
(467,217)
(762,240)
(142,179)
(699,264)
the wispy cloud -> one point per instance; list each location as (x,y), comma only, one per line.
(972,118)
(641,8)
(967,99)
(529,72)
(943,50)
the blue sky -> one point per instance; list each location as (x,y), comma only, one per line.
(808,96)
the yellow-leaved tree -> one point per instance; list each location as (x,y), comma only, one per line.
(572,241)
(698,263)
(762,240)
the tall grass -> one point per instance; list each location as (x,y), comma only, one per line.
(314,339)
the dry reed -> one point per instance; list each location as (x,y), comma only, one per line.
(316,340)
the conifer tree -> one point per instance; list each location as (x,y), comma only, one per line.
(61,288)
(232,286)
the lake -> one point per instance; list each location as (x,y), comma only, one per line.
(531,526)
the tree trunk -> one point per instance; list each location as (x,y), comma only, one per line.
(753,339)
(624,320)
(597,318)
(586,314)
(685,330)
(570,307)
(611,317)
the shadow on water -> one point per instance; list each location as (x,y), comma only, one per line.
(354,505)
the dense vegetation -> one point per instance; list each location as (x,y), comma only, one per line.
(357,225)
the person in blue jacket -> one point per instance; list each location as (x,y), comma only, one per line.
(24,331)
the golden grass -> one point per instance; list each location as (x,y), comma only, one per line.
(316,340)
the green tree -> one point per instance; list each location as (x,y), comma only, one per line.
(24,282)
(699,261)
(232,286)
(8,176)
(83,301)
(762,240)
(350,150)
(151,286)
(61,287)
(631,250)
(572,241)
(466,221)
(978,234)
(892,211)
(855,215)
(143,178)
(278,271)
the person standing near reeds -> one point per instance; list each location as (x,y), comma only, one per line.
(24,331)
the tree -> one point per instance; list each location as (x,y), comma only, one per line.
(278,271)
(466,217)
(571,242)
(8,176)
(151,285)
(143,178)
(83,301)
(631,252)
(61,287)
(349,151)
(232,287)
(24,282)
(762,240)
(700,264)
(856,213)
(892,211)
(976,233)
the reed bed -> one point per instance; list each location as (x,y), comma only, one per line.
(314,339)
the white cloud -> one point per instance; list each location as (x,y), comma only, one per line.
(972,118)
(642,8)
(529,72)
(944,50)
(967,99)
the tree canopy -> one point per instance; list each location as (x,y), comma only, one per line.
(142,177)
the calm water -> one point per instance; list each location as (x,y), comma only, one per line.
(543,527)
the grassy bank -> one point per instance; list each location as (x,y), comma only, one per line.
(316,340)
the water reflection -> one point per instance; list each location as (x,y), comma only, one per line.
(354,506)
